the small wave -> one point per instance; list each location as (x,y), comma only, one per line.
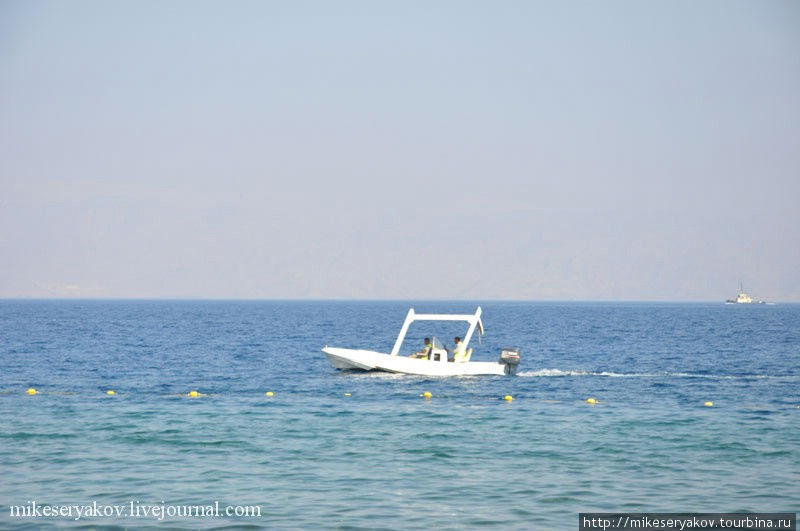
(553,372)
(665,374)
(380,375)
(559,372)
(734,376)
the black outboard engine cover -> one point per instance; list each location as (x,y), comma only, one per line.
(509,356)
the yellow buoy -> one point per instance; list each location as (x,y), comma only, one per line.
(32,391)
(427,394)
(592,401)
(269,393)
(111,392)
(508,398)
(347,394)
(709,404)
(194,394)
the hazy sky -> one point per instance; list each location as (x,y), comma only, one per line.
(460,150)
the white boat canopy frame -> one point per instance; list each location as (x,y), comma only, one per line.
(473,320)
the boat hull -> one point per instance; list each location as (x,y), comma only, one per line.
(367,360)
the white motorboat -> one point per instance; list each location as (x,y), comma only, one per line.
(435,363)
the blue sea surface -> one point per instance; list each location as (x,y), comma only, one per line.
(336,449)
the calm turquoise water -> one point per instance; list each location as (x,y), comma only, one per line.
(383,457)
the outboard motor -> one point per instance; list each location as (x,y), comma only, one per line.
(509,356)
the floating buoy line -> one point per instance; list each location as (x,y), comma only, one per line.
(427,395)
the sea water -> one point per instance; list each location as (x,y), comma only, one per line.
(334,449)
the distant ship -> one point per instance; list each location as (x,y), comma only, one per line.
(743,297)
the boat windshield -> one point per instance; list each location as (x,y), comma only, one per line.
(437,344)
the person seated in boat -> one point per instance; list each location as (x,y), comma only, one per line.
(459,354)
(458,350)
(426,350)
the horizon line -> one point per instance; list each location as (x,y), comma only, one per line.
(390,299)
